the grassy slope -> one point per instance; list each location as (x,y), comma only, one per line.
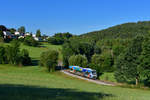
(33,83)
(30,83)
(108,77)
(35,52)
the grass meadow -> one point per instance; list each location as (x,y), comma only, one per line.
(35,83)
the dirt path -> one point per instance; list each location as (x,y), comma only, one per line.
(90,80)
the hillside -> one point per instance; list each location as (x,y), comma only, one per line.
(34,83)
(127,30)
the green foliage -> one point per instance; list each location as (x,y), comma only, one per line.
(12,30)
(24,58)
(1,39)
(3,28)
(63,35)
(67,53)
(108,76)
(75,48)
(117,50)
(2,55)
(1,34)
(56,40)
(22,29)
(38,33)
(60,38)
(101,63)
(123,31)
(127,63)
(144,66)
(12,52)
(78,60)
(29,40)
(49,59)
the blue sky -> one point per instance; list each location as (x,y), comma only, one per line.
(75,16)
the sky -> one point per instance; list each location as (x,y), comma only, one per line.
(74,16)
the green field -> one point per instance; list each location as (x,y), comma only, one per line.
(35,83)
(35,52)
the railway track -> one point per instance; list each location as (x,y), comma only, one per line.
(90,80)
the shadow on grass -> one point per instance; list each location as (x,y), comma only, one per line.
(22,92)
(35,62)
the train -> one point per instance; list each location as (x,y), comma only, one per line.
(85,72)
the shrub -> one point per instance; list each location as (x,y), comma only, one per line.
(49,59)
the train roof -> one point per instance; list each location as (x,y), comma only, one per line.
(81,69)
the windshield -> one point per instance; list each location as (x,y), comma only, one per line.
(94,72)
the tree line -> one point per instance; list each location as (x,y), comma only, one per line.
(122,50)
(133,65)
(27,40)
(11,54)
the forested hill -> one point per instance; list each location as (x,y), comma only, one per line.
(127,30)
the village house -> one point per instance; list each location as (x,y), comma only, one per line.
(7,34)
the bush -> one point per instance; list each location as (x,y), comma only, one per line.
(29,40)
(49,59)
(78,60)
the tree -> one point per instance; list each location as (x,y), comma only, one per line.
(49,59)
(29,40)
(86,49)
(1,34)
(117,49)
(60,38)
(2,55)
(22,29)
(67,53)
(12,30)
(67,35)
(38,33)
(127,63)
(13,52)
(3,28)
(78,60)
(74,47)
(144,66)
(101,63)
(12,55)
(56,40)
